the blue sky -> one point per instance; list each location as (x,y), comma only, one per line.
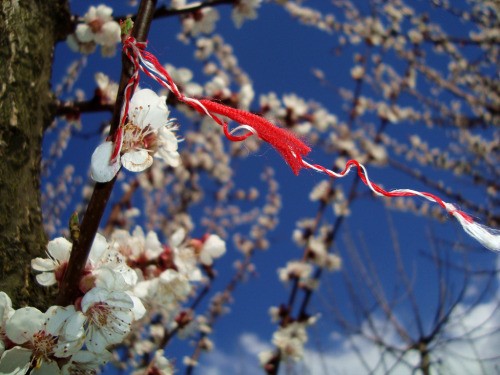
(279,54)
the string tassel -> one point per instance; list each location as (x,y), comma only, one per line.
(284,141)
(486,236)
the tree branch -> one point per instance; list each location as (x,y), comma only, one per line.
(163,11)
(102,191)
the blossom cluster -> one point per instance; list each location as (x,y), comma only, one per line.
(203,20)
(120,278)
(289,339)
(98,28)
(167,277)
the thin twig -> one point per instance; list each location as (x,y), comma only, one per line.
(163,11)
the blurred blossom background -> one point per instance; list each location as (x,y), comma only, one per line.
(319,275)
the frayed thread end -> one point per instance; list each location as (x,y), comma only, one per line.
(486,236)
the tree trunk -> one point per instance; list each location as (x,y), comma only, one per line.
(29,30)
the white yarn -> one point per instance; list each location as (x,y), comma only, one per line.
(486,236)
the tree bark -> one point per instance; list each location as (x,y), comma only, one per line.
(29,30)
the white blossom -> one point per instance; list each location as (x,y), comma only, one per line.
(53,267)
(182,78)
(185,258)
(86,362)
(270,105)
(166,290)
(173,286)
(75,45)
(99,28)
(244,9)
(322,120)
(290,340)
(137,247)
(188,361)
(295,269)
(357,72)
(246,96)
(333,262)
(201,22)
(147,131)
(107,88)
(218,86)
(58,333)
(213,247)
(415,36)
(161,364)
(265,357)
(176,4)
(109,316)
(320,191)
(204,48)
(319,255)
(297,105)
(104,267)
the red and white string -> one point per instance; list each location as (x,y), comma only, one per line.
(289,145)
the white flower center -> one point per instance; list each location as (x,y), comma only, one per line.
(137,138)
(43,346)
(102,316)
(99,314)
(96,25)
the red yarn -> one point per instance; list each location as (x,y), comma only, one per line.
(285,142)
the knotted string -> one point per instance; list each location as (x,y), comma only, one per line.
(132,84)
(291,148)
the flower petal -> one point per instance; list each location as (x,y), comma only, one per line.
(73,328)
(115,279)
(60,249)
(168,139)
(146,288)
(109,315)
(98,249)
(214,246)
(46,278)
(103,12)
(109,34)
(148,109)
(42,264)
(84,33)
(172,158)
(15,361)
(206,259)
(176,239)
(139,310)
(46,368)
(91,14)
(101,168)
(23,324)
(136,161)
(6,309)
(153,246)
(86,360)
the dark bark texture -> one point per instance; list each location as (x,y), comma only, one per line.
(29,30)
